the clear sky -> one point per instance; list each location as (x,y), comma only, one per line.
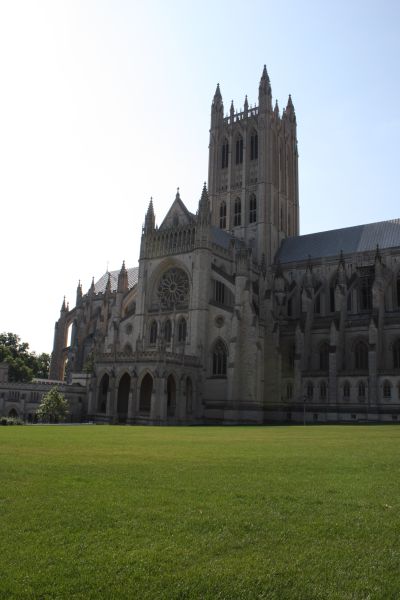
(106,103)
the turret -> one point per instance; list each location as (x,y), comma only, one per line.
(264,92)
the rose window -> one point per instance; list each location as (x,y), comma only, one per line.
(173,288)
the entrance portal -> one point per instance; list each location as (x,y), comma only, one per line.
(146,389)
(123,398)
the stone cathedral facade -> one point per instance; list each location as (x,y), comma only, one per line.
(232,316)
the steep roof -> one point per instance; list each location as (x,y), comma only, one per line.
(361,238)
(100,286)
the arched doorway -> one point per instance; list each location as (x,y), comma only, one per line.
(171,396)
(102,394)
(123,398)
(146,389)
(13,414)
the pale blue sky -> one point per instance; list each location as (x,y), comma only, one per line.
(105,104)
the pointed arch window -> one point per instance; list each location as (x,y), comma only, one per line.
(222,215)
(322,390)
(387,389)
(219,359)
(398,291)
(324,357)
(254,146)
(239,150)
(182,330)
(168,331)
(310,390)
(361,356)
(237,214)
(396,355)
(346,390)
(153,332)
(365,289)
(361,389)
(224,154)
(253,209)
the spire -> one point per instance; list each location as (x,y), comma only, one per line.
(264,91)
(232,112)
(64,306)
(123,279)
(178,196)
(246,106)
(276,109)
(217,95)
(203,213)
(91,289)
(150,219)
(108,285)
(79,294)
(217,107)
(290,109)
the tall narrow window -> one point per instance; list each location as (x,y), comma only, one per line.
(219,292)
(322,390)
(252,209)
(361,356)
(365,290)
(324,357)
(222,215)
(396,355)
(398,291)
(239,151)
(346,390)
(237,214)
(254,146)
(387,389)
(219,359)
(317,304)
(332,299)
(310,390)
(182,330)
(167,331)
(153,332)
(361,389)
(224,154)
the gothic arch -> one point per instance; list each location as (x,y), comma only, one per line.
(171,394)
(124,386)
(360,355)
(145,387)
(102,392)
(219,358)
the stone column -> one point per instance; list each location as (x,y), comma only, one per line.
(111,400)
(132,402)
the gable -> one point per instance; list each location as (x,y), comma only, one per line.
(177,215)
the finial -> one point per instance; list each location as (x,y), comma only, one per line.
(276,109)
(177,197)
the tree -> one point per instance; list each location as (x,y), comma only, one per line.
(53,408)
(23,364)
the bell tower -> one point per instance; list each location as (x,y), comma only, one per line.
(253,171)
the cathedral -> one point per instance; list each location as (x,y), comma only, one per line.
(231,316)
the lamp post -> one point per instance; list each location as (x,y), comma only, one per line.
(304,409)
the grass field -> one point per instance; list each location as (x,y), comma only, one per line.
(247,512)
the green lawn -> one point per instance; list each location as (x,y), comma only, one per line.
(99,512)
